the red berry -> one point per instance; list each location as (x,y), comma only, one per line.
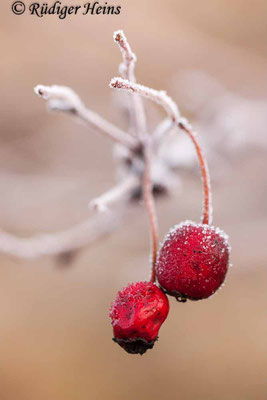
(137,314)
(193,261)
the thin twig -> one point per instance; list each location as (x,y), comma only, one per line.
(62,242)
(121,192)
(157,96)
(151,209)
(127,71)
(207,202)
(79,235)
(64,99)
(61,98)
(168,104)
(129,58)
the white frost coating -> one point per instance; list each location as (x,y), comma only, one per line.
(160,97)
(59,98)
(126,69)
(123,191)
(129,58)
(62,98)
(205,228)
(210,194)
(172,110)
(184,122)
(130,161)
(72,239)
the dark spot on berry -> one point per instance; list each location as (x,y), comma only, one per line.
(128,315)
(195,266)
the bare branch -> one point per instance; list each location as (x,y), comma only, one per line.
(61,98)
(129,58)
(159,97)
(150,164)
(122,192)
(127,71)
(170,107)
(62,242)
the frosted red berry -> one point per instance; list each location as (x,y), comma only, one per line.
(137,314)
(193,261)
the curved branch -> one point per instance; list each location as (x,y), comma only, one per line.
(157,96)
(54,244)
(123,191)
(170,107)
(207,200)
(64,99)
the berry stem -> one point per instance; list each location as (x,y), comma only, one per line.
(172,110)
(207,208)
(151,209)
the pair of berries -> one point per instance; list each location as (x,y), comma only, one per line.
(191,264)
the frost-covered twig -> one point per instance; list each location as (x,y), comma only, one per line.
(61,98)
(127,71)
(141,160)
(121,192)
(170,107)
(126,68)
(62,242)
(159,97)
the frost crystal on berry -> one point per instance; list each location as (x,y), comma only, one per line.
(193,261)
(137,314)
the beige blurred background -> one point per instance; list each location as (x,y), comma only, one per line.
(55,334)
